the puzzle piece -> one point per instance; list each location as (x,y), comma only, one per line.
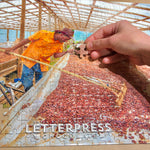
(82,51)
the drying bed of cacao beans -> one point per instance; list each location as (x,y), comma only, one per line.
(6,57)
(78,101)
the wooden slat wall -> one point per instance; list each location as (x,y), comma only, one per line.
(8,67)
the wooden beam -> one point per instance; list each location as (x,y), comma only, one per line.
(7,35)
(49,21)
(22,26)
(78,13)
(145,29)
(48,8)
(55,22)
(27,11)
(40,16)
(59,24)
(71,14)
(132,1)
(16,34)
(142,20)
(94,1)
(22,33)
(67,22)
(109,18)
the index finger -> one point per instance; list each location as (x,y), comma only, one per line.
(103,32)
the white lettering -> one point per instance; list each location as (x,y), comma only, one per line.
(107,125)
(85,128)
(44,125)
(77,127)
(36,128)
(27,129)
(53,127)
(93,128)
(101,128)
(69,128)
(61,128)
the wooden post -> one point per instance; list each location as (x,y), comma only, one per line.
(22,33)
(55,22)
(22,27)
(59,24)
(16,34)
(40,16)
(49,21)
(7,35)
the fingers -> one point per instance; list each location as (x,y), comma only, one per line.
(99,44)
(103,32)
(97,54)
(109,56)
(114,59)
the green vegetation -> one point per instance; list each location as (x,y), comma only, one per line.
(53,60)
(6,105)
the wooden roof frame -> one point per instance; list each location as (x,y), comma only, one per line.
(72,14)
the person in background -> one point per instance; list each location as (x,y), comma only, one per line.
(43,44)
(119,41)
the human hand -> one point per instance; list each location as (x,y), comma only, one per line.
(70,51)
(119,41)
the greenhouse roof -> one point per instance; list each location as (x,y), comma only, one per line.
(84,15)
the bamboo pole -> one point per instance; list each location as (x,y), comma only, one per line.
(62,70)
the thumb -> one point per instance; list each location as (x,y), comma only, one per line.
(99,44)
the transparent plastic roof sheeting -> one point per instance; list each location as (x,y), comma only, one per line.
(87,15)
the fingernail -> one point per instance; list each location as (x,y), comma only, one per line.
(106,61)
(89,45)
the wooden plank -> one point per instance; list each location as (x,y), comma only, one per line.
(8,70)
(8,64)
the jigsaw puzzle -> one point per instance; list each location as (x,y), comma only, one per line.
(78,101)
(102,107)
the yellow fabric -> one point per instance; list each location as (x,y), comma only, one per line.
(41,48)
